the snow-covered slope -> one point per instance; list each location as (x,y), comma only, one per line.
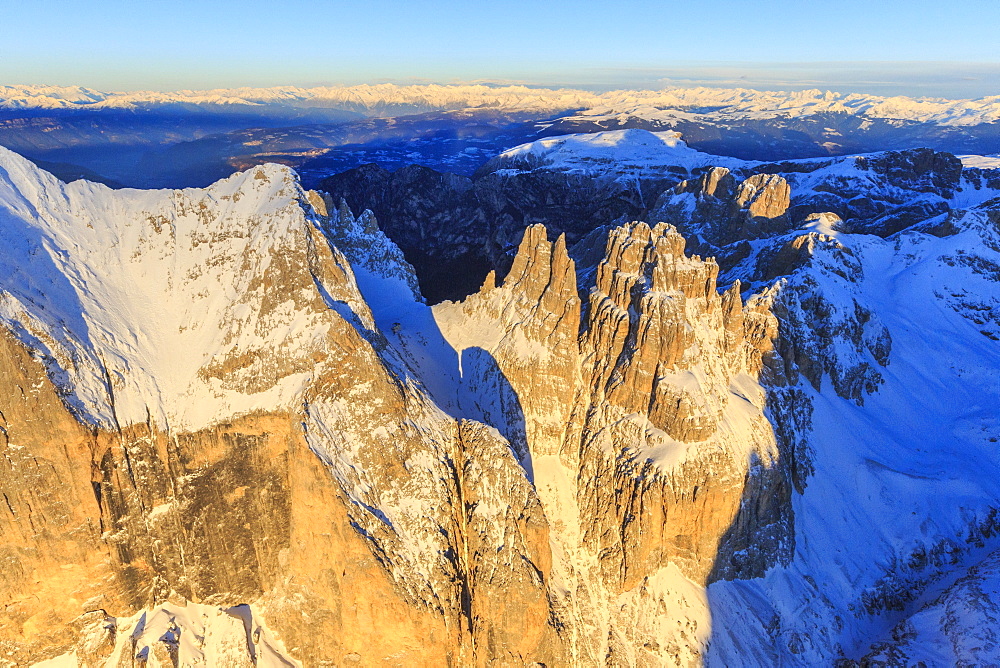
(171,635)
(138,299)
(956,627)
(898,338)
(623,154)
(981,161)
(664,105)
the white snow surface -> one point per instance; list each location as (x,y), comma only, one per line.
(626,153)
(680,103)
(389,286)
(981,161)
(196,634)
(959,627)
(905,484)
(132,295)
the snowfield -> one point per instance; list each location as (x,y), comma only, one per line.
(623,153)
(906,486)
(144,291)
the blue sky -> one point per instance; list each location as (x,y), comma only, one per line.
(907,47)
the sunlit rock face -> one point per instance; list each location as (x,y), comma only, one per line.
(641,420)
(201,409)
(294,458)
(234,433)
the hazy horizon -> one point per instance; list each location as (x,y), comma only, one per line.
(945,80)
(918,48)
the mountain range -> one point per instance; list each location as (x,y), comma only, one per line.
(607,400)
(193,138)
(382,99)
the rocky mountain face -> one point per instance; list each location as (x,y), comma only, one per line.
(454,229)
(222,478)
(641,415)
(235,433)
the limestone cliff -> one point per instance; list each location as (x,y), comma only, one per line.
(641,419)
(298,462)
(234,433)
(256,442)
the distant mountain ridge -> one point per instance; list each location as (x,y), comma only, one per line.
(150,139)
(679,103)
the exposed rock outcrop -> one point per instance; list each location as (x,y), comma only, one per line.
(454,229)
(640,431)
(364,522)
(228,406)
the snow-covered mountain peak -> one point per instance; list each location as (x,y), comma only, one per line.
(622,153)
(669,104)
(48,96)
(614,142)
(181,306)
(604,458)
